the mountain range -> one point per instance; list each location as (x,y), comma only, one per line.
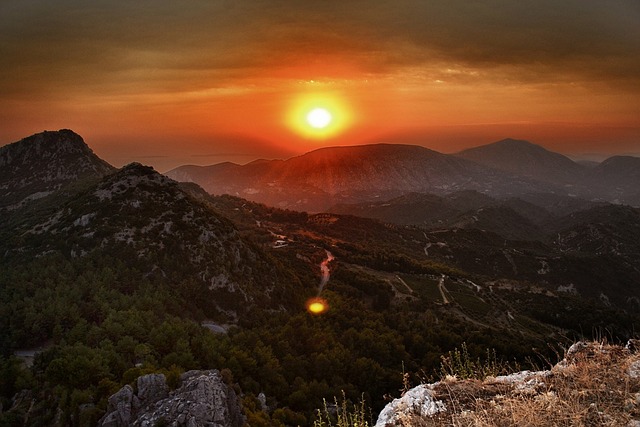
(510,168)
(59,196)
(112,273)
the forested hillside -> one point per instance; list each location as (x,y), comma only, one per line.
(130,273)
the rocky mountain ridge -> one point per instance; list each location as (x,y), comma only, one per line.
(36,166)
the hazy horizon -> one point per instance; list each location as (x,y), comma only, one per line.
(235,80)
(165,163)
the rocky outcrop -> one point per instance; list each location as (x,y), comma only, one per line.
(595,384)
(120,407)
(152,388)
(203,399)
(43,163)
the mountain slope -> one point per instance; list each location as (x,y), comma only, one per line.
(526,159)
(146,220)
(328,176)
(606,230)
(617,179)
(463,209)
(408,209)
(195,173)
(36,166)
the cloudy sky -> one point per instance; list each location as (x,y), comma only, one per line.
(175,82)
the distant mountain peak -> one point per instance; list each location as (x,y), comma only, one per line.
(509,145)
(512,142)
(527,159)
(40,164)
(381,148)
(46,145)
(621,161)
(138,169)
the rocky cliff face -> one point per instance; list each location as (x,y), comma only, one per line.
(36,166)
(595,384)
(203,399)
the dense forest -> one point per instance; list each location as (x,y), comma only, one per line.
(100,320)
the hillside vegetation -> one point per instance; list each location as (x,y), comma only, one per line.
(121,273)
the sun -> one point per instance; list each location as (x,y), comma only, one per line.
(319,118)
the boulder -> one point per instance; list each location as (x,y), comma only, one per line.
(418,401)
(202,399)
(119,408)
(152,388)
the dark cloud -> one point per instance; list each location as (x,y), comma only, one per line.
(119,47)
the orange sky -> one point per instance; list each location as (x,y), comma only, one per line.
(169,83)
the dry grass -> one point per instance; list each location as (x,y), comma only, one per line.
(598,385)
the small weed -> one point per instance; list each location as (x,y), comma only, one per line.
(460,364)
(343,414)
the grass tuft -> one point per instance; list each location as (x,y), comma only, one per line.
(459,364)
(343,414)
(598,385)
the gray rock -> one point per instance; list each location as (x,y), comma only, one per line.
(577,348)
(152,388)
(262,398)
(418,401)
(203,399)
(119,408)
(633,345)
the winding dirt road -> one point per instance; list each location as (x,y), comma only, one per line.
(324,269)
(441,288)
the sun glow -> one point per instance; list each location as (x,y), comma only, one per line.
(319,116)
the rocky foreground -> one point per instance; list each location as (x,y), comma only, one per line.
(202,399)
(594,385)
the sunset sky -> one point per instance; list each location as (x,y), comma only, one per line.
(167,83)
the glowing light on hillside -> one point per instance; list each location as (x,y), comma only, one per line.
(317,305)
